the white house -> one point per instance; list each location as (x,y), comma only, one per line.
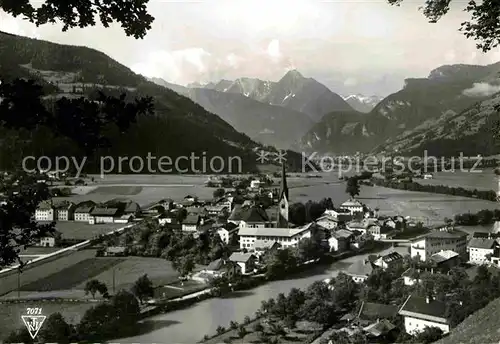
(65,211)
(437,241)
(126,218)
(328,222)
(389,260)
(411,276)
(191,223)
(103,215)
(428,176)
(255,184)
(286,237)
(49,240)
(353,206)
(82,214)
(340,240)
(45,212)
(419,313)
(480,248)
(360,270)
(246,261)
(227,232)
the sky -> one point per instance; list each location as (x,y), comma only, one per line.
(351,46)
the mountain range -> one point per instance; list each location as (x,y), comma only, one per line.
(453,109)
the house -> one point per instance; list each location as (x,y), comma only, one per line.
(286,237)
(420,312)
(480,249)
(65,211)
(360,270)
(246,261)
(132,208)
(428,176)
(255,184)
(222,267)
(216,210)
(438,240)
(390,260)
(255,217)
(167,218)
(342,215)
(191,223)
(328,222)
(227,232)
(445,260)
(103,215)
(115,251)
(411,276)
(190,198)
(45,212)
(369,312)
(82,213)
(353,206)
(262,246)
(340,240)
(378,329)
(50,239)
(194,210)
(226,202)
(126,218)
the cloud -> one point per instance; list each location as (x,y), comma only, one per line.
(273,49)
(481,89)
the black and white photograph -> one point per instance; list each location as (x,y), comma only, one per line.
(250,171)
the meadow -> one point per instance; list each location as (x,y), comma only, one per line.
(72,276)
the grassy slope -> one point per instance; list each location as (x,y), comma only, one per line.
(482,327)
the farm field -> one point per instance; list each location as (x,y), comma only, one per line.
(10,313)
(83,230)
(8,282)
(72,276)
(129,269)
(485,180)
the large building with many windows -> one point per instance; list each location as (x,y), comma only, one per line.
(436,241)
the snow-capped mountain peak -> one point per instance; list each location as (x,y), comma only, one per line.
(363,103)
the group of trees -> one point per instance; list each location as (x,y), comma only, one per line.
(439,189)
(482,217)
(300,213)
(107,320)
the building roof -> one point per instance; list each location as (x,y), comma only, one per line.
(104,211)
(273,232)
(132,207)
(351,203)
(360,268)
(64,205)
(380,328)
(391,257)
(84,209)
(342,234)
(115,249)
(482,243)
(219,264)
(240,257)
(374,311)
(418,307)
(191,219)
(261,244)
(327,217)
(443,234)
(444,256)
(254,214)
(45,205)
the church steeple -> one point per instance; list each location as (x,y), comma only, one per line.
(283,201)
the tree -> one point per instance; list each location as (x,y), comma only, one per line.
(132,15)
(352,187)
(258,327)
(242,331)
(22,108)
(184,265)
(218,193)
(483,26)
(56,330)
(429,335)
(143,288)
(94,286)
(19,336)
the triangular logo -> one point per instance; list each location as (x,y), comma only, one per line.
(33,323)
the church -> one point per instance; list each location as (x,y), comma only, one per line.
(254,237)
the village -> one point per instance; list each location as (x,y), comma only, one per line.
(247,236)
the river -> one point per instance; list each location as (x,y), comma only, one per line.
(191,324)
